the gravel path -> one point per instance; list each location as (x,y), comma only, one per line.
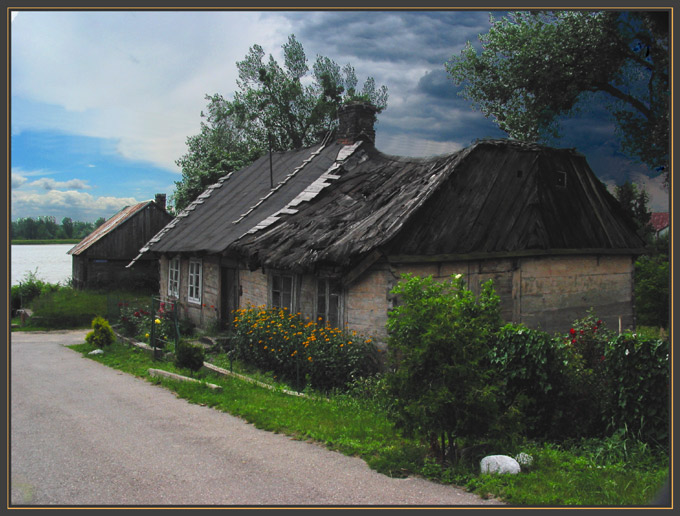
(86,434)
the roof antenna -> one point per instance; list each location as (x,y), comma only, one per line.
(271,171)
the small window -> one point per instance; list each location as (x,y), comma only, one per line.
(195,277)
(560,178)
(173,277)
(281,291)
(329,301)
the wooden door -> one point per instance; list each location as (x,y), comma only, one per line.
(229,294)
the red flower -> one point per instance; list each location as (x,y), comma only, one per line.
(582,332)
(599,322)
(572,331)
(136,314)
(573,341)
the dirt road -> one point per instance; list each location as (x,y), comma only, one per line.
(83,434)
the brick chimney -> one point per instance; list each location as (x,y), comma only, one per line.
(160,200)
(356,123)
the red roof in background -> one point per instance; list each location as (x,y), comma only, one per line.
(659,220)
(108,226)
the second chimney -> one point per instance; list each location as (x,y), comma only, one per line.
(160,200)
(356,123)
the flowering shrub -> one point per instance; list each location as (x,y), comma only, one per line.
(137,323)
(133,322)
(325,357)
(587,390)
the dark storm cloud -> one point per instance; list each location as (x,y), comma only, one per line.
(395,36)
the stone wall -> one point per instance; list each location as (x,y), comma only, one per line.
(546,293)
(253,286)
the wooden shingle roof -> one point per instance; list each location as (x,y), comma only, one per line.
(335,204)
(493,197)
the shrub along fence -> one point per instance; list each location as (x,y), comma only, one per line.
(460,377)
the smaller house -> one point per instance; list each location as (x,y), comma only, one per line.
(100,258)
(660,223)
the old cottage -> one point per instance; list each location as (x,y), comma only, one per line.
(330,232)
(100,259)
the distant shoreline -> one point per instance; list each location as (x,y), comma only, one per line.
(46,242)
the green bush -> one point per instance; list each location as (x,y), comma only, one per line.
(587,383)
(639,373)
(101,335)
(29,289)
(443,386)
(189,356)
(652,282)
(319,356)
(531,365)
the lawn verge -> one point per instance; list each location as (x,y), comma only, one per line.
(596,473)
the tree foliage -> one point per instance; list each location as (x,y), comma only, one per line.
(281,106)
(634,201)
(46,228)
(536,66)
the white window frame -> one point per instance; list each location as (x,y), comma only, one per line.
(281,276)
(173,277)
(195,280)
(325,284)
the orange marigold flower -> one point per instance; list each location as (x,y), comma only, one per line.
(309,358)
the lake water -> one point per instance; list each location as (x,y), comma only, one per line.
(51,261)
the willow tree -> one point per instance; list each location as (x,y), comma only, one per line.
(537,66)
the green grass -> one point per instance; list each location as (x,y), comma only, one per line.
(562,476)
(597,472)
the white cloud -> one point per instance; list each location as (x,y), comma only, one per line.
(658,195)
(137,77)
(50,184)
(406,145)
(77,205)
(18,180)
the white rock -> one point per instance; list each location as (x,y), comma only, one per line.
(96,352)
(501,464)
